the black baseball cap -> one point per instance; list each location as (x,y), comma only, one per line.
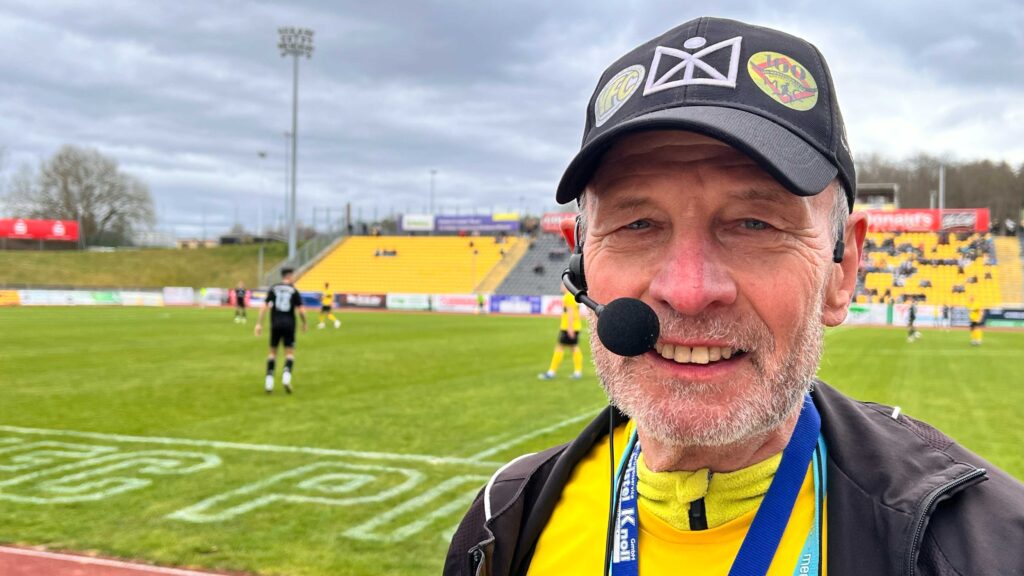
(766,93)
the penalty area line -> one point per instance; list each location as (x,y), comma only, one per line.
(529,436)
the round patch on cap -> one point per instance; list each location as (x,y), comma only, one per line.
(784,80)
(616,92)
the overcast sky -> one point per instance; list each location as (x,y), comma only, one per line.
(186,94)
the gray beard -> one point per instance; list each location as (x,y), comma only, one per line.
(779,385)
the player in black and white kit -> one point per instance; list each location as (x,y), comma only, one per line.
(240,294)
(283,301)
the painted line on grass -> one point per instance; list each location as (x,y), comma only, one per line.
(88,560)
(529,436)
(473,461)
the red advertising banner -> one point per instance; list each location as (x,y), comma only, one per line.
(968,219)
(24,229)
(550,221)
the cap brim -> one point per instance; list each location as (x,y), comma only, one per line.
(797,165)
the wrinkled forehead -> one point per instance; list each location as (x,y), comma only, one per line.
(668,153)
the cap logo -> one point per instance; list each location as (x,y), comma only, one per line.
(616,92)
(784,80)
(689,64)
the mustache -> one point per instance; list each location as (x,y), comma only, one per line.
(749,334)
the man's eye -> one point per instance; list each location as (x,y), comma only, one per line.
(752,224)
(638,225)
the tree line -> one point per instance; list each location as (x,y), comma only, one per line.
(83,185)
(997,186)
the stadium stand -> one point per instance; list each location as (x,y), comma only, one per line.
(539,272)
(932,268)
(409,264)
(1011,270)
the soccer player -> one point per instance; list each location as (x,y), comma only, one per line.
(240,294)
(283,300)
(326,305)
(976,314)
(568,336)
(912,333)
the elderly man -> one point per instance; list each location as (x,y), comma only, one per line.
(714,186)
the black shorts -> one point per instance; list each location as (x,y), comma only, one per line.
(240,305)
(285,334)
(976,325)
(325,308)
(565,340)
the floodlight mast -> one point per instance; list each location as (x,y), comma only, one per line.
(294,42)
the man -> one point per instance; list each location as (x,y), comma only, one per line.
(976,316)
(714,184)
(240,294)
(912,333)
(283,301)
(326,308)
(568,337)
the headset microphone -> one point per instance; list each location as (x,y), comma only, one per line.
(625,326)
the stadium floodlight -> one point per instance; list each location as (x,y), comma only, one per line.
(433,173)
(294,42)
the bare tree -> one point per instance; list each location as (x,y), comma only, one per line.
(82,184)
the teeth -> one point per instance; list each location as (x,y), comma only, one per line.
(682,354)
(694,355)
(699,355)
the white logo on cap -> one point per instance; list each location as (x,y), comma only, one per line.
(689,62)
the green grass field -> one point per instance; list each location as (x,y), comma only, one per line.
(145,433)
(222,266)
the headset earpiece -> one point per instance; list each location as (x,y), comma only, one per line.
(576,272)
(837,252)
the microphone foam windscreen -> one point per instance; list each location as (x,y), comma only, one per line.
(628,327)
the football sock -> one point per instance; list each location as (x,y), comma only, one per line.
(288,363)
(556,359)
(577,360)
(270,366)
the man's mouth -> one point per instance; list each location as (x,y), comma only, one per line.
(696,354)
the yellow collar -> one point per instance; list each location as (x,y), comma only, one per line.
(727,495)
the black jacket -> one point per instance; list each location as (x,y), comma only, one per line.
(903,499)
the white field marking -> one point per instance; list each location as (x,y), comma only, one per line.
(528,436)
(32,456)
(103,483)
(86,560)
(459,503)
(253,447)
(199,512)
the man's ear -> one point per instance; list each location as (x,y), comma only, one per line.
(568,228)
(843,279)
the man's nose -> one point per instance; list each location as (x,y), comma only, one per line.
(692,277)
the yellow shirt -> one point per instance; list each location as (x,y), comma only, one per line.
(327,299)
(569,302)
(573,542)
(975,313)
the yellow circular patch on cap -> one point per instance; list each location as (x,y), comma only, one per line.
(784,80)
(616,92)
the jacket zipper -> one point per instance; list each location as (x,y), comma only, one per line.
(926,510)
(698,515)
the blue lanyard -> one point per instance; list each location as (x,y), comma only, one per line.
(762,540)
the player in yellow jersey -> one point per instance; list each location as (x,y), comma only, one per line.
(976,314)
(326,307)
(568,337)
